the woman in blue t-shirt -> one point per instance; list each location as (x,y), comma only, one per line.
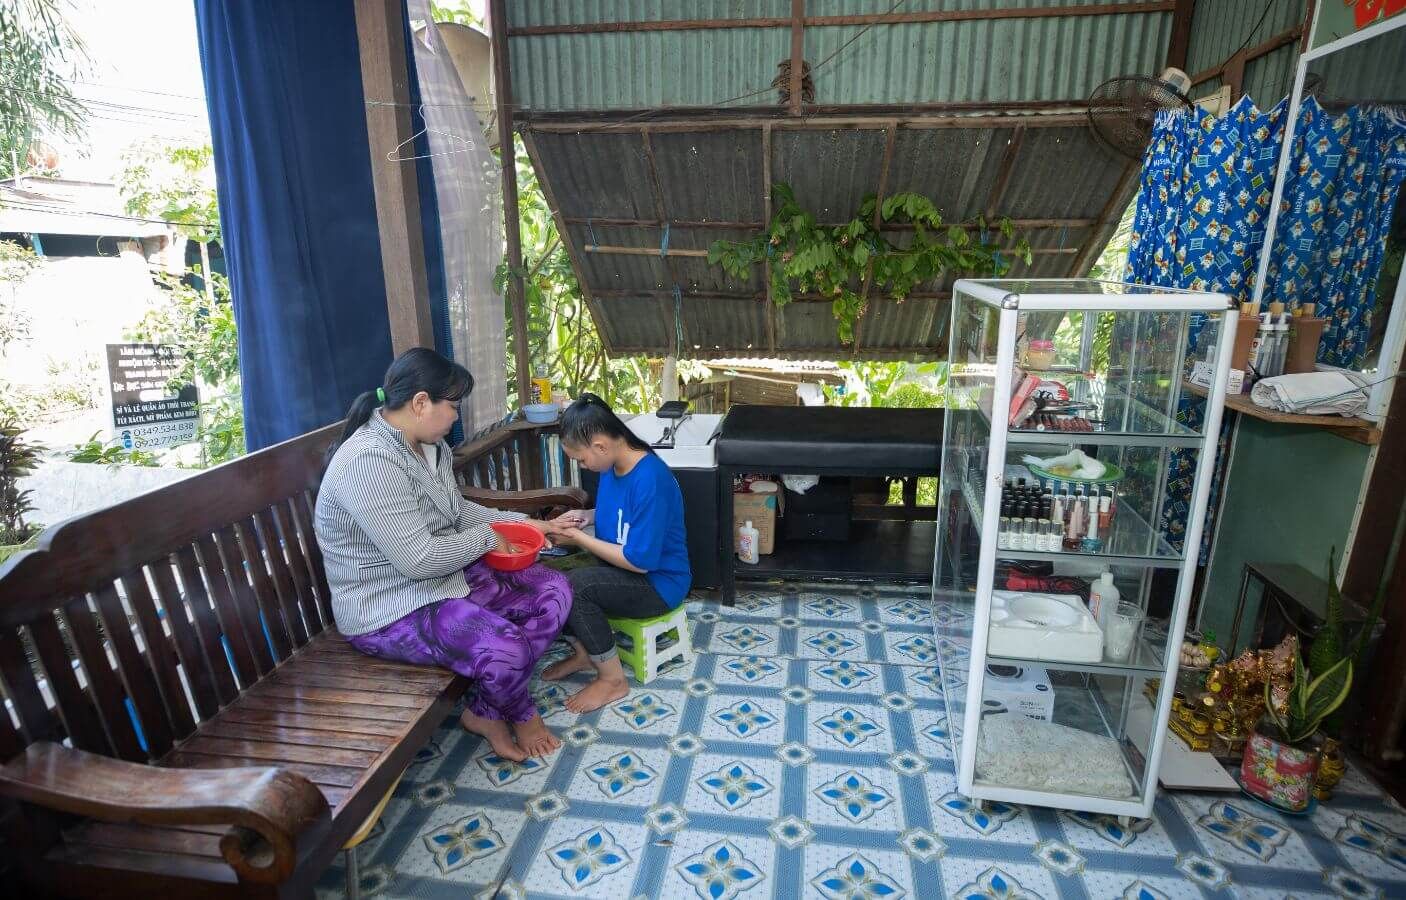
(639,539)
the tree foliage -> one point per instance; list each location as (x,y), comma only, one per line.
(40,57)
(174,182)
(562,336)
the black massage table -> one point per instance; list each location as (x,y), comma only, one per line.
(839,441)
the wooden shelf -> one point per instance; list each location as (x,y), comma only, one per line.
(1360,430)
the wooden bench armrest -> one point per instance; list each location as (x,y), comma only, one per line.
(527,501)
(268,809)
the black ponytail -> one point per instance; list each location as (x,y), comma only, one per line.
(589,416)
(417,369)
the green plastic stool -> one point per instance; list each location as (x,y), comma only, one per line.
(644,654)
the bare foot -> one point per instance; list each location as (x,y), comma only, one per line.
(565,668)
(534,737)
(496,733)
(597,694)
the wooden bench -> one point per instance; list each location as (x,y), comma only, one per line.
(183,716)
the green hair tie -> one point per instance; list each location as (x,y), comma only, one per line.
(381,396)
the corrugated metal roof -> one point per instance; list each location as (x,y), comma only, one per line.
(1058,176)
(989,60)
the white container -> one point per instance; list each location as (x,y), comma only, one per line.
(748,544)
(1103,597)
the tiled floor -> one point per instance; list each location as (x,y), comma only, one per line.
(804,754)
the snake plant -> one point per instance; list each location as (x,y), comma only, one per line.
(1309,701)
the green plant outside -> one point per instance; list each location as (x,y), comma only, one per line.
(848,262)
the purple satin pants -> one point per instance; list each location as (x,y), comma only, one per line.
(494,636)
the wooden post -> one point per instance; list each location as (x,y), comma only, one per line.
(669,379)
(798,44)
(512,224)
(385,82)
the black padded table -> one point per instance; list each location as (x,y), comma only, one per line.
(839,441)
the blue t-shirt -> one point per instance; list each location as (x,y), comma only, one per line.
(643,512)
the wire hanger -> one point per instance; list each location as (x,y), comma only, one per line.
(464,144)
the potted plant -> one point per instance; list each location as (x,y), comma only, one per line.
(18,458)
(1281,760)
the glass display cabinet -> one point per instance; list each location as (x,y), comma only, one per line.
(1059,593)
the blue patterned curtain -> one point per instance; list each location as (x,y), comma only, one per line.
(1204,198)
(1206,189)
(1333,221)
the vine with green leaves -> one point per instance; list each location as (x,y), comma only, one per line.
(836,261)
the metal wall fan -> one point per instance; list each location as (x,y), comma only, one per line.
(1121,110)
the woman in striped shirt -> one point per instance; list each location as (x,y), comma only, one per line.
(403,552)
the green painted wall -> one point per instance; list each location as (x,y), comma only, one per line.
(1291,495)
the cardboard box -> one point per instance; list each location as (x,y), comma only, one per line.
(760,510)
(1024,690)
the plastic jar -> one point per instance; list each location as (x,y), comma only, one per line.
(1040,354)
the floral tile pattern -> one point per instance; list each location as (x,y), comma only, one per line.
(805,752)
(720,872)
(588,858)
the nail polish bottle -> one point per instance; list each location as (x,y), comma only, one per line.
(1078,517)
(1105,512)
(1091,542)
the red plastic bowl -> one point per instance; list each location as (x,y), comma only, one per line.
(528,541)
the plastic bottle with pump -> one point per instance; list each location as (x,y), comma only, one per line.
(1259,347)
(748,544)
(1103,596)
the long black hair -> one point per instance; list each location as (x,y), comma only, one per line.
(589,416)
(417,369)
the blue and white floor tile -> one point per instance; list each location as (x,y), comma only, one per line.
(803,753)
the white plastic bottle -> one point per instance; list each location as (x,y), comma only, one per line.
(1103,596)
(748,543)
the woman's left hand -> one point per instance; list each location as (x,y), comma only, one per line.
(569,536)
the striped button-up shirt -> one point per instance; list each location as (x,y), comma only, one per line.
(395,532)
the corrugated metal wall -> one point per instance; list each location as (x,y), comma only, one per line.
(1220,27)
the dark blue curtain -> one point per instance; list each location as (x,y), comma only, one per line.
(288,122)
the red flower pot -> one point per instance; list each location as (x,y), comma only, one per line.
(1276,772)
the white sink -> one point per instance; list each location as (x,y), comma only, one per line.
(691,449)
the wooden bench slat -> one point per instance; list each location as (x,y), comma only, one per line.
(308,737)
(140,684)
(23,689)
(320,708)
(336,776)
(359,680)
(207,624)
(375,703)
(86,871)
(158,654)
(332,667)
(74,706)
(302,515)
(246,547)
(231,623)
(298,568)
(103,683)
(286,595)
(278,753)
(245,607)
(282,717)
(193,662)
(147,838)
